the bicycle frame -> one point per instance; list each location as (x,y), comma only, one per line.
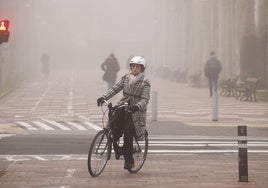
(102,145)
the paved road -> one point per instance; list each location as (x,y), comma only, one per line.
(64,106)
(179,138)
(185,171)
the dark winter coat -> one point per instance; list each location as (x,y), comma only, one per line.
(212,68)
(111,67)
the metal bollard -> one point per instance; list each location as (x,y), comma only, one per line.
(243,153)
(215,102)
(154,106)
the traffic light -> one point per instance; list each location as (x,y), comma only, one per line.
(4,32)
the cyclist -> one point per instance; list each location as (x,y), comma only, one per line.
(136,90)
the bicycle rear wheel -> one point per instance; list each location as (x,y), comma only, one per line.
(140,150)
(99,153)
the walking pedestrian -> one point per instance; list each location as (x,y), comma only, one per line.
(111,67)
(212,70)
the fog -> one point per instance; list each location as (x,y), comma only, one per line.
(174,34)
(78,33)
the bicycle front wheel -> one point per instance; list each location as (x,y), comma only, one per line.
(99,153)
(140,150)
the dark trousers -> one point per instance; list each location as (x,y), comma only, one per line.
(123,125)
(128,140)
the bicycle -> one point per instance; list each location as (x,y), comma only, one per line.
(101,147)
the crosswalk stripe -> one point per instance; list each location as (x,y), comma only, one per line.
(80,128)
(26,125)
(43,126)
(93,126)
(57,124)
(6,135)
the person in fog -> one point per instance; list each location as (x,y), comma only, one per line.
(212,70)
(136,90)
(45,64)
(111,67)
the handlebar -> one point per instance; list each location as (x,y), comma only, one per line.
(124,106)
(110,106)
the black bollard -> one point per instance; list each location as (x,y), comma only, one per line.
(243,153)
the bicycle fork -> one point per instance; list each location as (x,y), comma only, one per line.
(106,147)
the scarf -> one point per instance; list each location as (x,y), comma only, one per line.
(133,80)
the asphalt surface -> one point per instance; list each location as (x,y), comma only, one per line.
(182,111)
(182,171)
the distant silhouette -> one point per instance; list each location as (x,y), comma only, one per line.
(111,67)
(45,64)
(212,70)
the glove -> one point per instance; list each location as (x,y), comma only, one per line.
(100,101)
(135,108)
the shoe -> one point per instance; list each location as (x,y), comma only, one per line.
(129,166)
(118,153)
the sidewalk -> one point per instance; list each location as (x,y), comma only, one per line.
(189,171)
(193,106)
(175,101)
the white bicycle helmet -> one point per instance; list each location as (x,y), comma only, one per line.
(138,60)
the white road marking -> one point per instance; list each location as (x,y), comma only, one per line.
(26,125)
(203,151)
(182,137)
(83,117)
(202,143)
(39,101)
(57,124)
(68,157)
(93,126)
(43,126)
(6,135)
(80,128)
(38,157)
